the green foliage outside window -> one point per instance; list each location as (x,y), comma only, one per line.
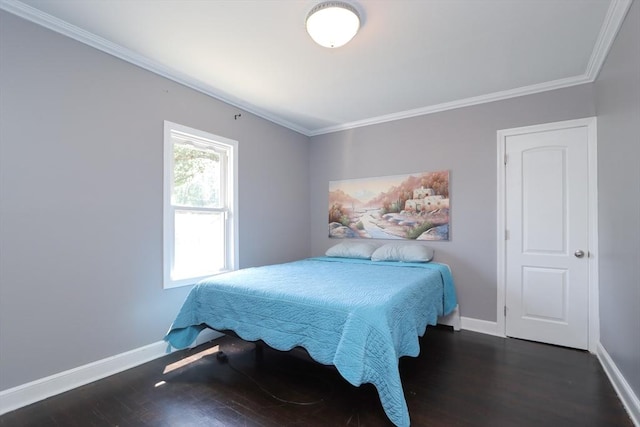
(196,177)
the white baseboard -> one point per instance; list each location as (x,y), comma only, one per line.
(622,387)
(26,394)
(34,391)
(482,326)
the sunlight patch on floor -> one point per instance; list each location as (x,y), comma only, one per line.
(193,358)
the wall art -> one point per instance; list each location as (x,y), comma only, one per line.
(414,206)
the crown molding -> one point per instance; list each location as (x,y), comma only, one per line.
(467,102)
(610,27)
(612,23)
(36,16)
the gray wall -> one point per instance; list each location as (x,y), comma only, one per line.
(81,194)
(618,108)
(462,141)
(81,136)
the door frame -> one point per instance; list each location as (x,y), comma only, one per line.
(594,308)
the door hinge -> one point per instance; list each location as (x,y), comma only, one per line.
(505,159)
(506,234)
(505,311)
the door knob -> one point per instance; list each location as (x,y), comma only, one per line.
(579,253)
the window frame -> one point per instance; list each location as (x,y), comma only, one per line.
(229,206)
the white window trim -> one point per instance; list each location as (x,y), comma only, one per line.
(231,231)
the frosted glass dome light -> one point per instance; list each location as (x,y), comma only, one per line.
(333,23)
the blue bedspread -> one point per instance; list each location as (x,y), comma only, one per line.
(360,316)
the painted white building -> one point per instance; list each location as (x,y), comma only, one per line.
(425,199)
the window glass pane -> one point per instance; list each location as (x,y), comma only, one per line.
(196,177)
(199,244)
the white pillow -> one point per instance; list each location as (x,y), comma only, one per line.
(351,250)
(403,253)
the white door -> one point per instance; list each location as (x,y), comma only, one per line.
(546,247)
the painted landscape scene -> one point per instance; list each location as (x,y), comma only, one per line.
(412,206)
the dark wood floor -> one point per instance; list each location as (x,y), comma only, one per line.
(460,379)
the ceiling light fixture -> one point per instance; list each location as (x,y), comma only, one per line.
(333,23)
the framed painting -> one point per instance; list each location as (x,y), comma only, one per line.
(414,206)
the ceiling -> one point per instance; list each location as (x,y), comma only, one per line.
(411,57)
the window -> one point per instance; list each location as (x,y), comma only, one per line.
(200,197)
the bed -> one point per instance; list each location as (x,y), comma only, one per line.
(356,314)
